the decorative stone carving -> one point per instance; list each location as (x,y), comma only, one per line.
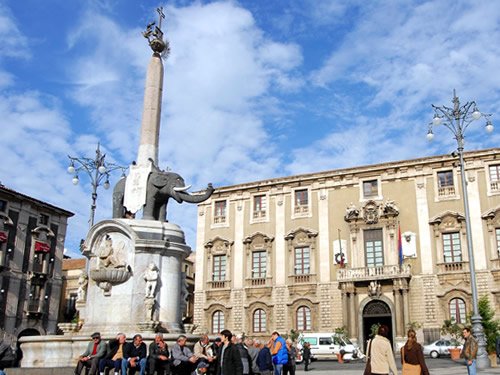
(106,278)
(109,257)
(370,213)
(351,212)
(184,291)
(390,208)
(83,281)
(151,278)
(374,289)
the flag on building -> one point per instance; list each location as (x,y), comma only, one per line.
(400,248)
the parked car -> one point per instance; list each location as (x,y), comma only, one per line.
(326,345)
(439,348)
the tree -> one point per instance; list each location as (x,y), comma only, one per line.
(453,330)
(374,329)
(491,327)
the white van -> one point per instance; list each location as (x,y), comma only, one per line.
(326,345)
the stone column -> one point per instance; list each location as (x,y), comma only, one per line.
(426,236)
(324,239)
(150,125)
(280,263)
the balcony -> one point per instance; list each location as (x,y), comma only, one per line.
(302,278)
(219,219)
(447,191)
(453,267)
(218,284)
(495,186)
(259,214)
(257,281)
(374,273)
(301,210)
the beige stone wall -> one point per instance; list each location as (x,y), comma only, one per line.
(420,296)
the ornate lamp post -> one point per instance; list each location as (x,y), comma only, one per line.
(97,169)
(458,119)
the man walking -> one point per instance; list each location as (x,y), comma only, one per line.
(229,361)
(469,351)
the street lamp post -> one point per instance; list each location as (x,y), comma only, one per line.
(97,169)
(458,119)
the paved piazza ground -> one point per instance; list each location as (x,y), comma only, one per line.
(439,366)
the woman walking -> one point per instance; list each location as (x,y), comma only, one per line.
(413,355)
(306,353)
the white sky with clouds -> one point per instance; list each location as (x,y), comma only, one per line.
(252,89)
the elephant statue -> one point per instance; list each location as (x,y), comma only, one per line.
(161,186)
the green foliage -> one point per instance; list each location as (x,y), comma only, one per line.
(491,327)
(76,317)
(453,330)
(342,331)
(374,329)
(294,335)
(413,325)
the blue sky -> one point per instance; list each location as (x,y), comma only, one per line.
(252,89)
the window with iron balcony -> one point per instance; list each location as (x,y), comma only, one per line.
(301,201)
(446,185)
(220,212)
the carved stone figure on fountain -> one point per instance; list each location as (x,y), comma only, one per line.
(109,257)
(151,278)
(83,281)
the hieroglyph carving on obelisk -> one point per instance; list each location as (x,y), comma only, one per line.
(147,159)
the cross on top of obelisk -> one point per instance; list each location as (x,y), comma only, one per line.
(160,16)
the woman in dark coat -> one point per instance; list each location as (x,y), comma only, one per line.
(413,353)
(306,353)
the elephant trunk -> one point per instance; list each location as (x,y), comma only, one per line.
(196,198)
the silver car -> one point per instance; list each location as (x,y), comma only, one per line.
(439,348)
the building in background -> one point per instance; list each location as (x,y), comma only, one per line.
(269,253)
(71,272)
(32,235)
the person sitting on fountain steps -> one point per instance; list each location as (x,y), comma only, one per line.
(90,358)
(113,358)
(134,356)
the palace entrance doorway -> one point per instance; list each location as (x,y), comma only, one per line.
(376,312)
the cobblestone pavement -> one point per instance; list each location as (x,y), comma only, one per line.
(441,366)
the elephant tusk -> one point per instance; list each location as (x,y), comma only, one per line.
(182,188)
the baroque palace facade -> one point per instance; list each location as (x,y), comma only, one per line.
(269,252)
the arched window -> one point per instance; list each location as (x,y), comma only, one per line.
(217,321)
(259,321)
(457,310)
(303,318)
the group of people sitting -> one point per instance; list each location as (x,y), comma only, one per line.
(227,355)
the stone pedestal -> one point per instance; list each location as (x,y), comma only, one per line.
(136,283)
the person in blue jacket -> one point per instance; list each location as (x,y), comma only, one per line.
(279,352)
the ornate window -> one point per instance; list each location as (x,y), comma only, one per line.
(219,268)
(259,207)
(259,321)
(302,261)
(497,237)
(374,249)
(218,263)
(301,203)
(220,212)
(451,247)
(217,321)
(370,188)
(259,262)
(303,318)
(457,310)
(494,177)
(446,184)
(301,245)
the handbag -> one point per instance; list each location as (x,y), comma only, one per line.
(408,368)
(368,368)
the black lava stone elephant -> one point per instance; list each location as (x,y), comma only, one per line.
(161,187)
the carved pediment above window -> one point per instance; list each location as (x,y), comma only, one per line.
(42,233)
(351,213)
(492,218)
(258,241)
(447,220)
(301,235)
(219,245)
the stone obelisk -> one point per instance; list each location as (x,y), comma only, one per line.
(147,159)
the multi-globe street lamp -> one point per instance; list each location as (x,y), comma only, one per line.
(458,119)
(97,169)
